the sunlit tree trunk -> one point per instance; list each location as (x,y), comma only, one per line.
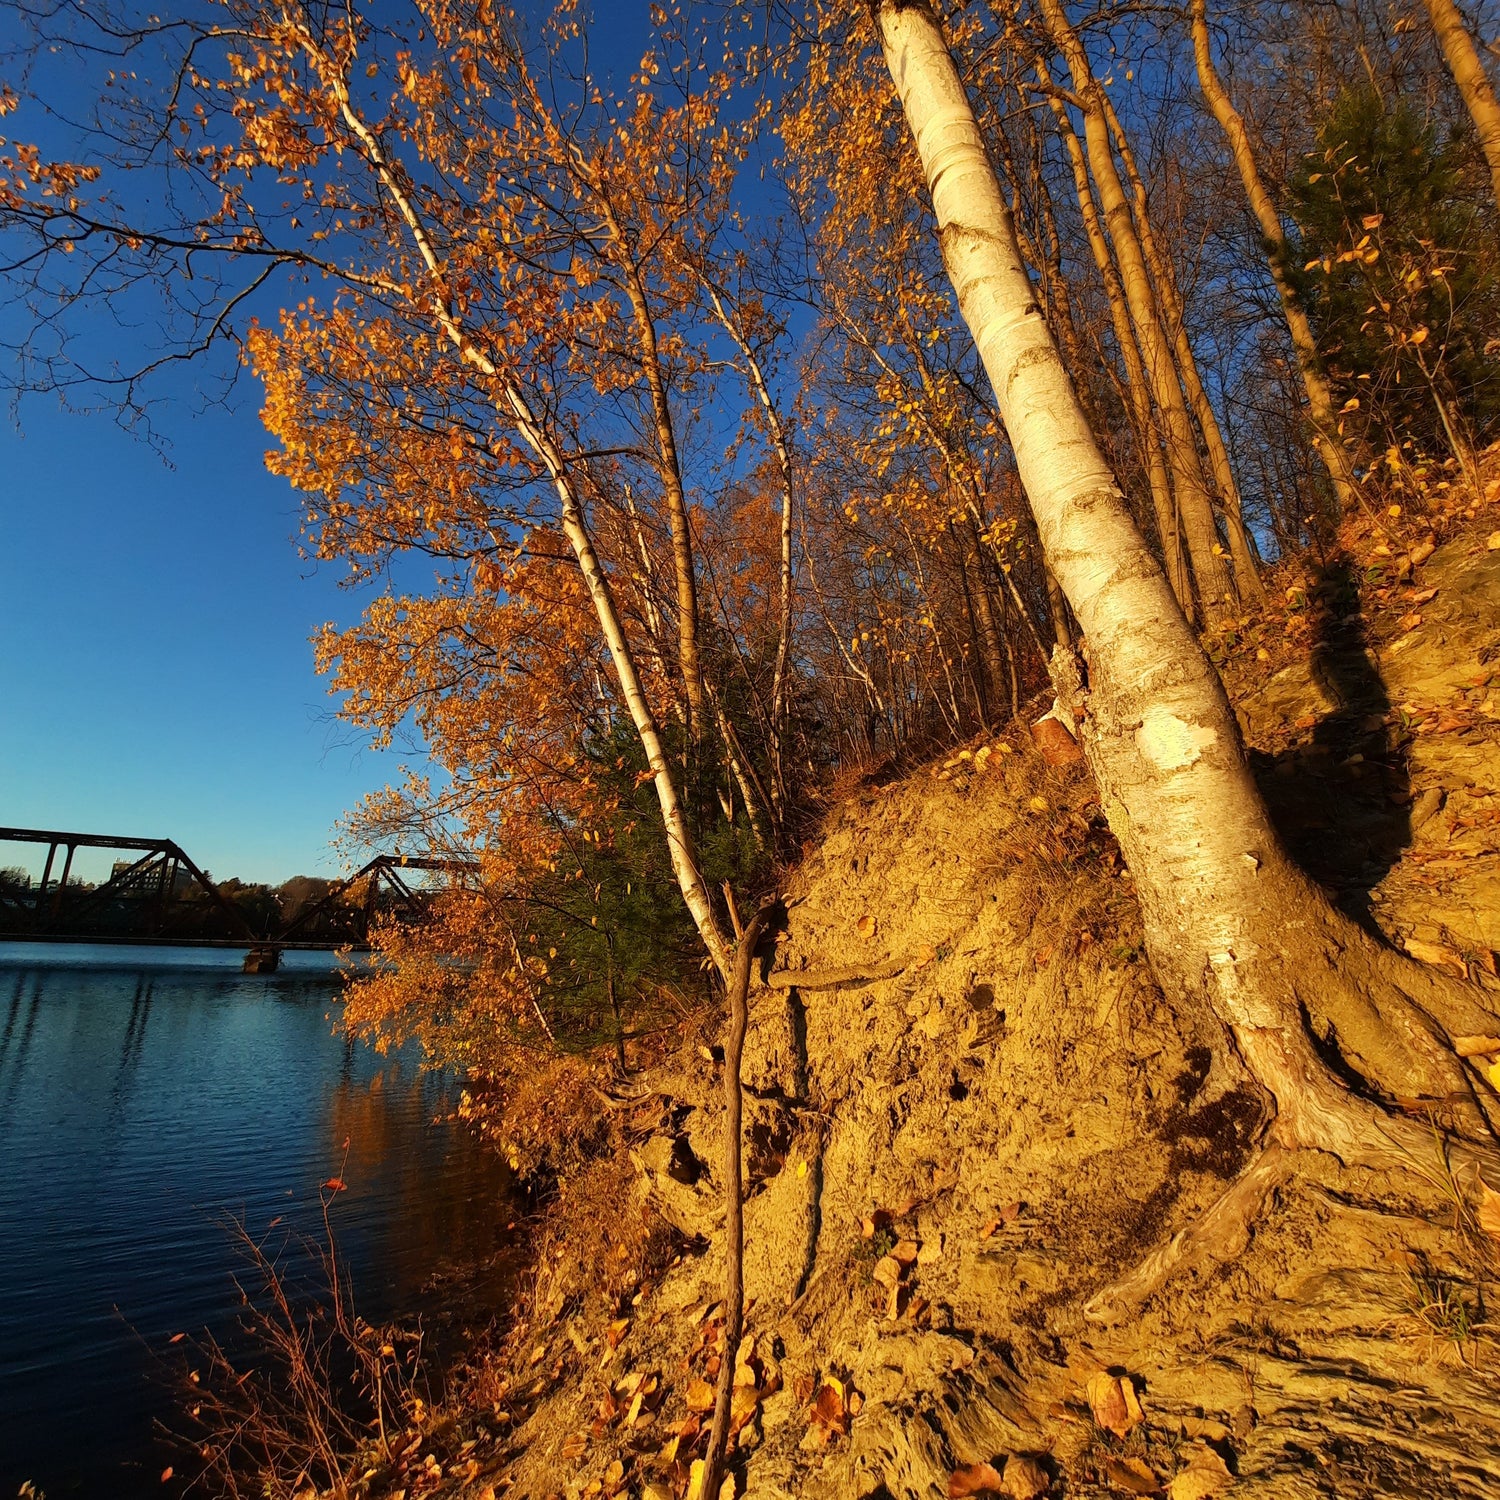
(1246,574)
(781,446)
(1320,408)
(1225,911)
(1148,441)
(512,406)
(669,466)
(1463,60)
(1216,591)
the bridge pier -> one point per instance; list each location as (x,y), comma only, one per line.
(264,958)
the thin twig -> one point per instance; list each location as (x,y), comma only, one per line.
(734,1272)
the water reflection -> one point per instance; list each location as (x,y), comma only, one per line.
(140,1103)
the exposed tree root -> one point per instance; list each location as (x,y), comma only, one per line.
(1358,1133)
(1215,1236)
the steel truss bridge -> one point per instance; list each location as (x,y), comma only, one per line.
(158,895)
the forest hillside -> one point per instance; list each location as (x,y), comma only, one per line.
(977,1108)
(935,560)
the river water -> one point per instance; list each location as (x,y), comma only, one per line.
(145,1095)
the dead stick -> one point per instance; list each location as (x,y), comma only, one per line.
(833,979)
(734,1272)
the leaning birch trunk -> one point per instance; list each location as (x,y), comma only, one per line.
(1216,590)
(510,403)
(1326,437)
(669,466)
(1246,573)
(1225,912)
(756,374)
(1463,60)
(1148,440)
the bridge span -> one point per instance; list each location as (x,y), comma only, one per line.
(157,895)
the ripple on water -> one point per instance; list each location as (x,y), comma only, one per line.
(144,1097)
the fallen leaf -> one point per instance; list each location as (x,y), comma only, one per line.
(830,1408)
(617,1331)
(1421,552)
(1132,1475)
(989,1227)
(1493,541)
(1423,596)
(1197,1484)
(1489,1210)
(866,925)
(166,1474)
(906,1251)
(974,1479)
(872,1224)
(336,1185)
(1056,744)
(1025,1478)
(656,1490)
(1410,622)
(1107,1402)
(1476,1046)
(742,1408)
(700,1396)
(887,1270)
(1037,804)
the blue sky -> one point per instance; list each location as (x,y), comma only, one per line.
(155,673)
(156,676)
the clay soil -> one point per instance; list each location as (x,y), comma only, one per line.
(948,1161)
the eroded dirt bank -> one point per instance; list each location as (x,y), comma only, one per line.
(947,1161)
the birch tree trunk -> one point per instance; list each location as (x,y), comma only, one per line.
(509,400)
(1246,574)
(1463,60)
(669,466)
(1216,589)
(780,443)
(1225,910)
(1320,410)
(1148,440)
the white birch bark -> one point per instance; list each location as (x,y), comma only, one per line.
(1216,590)
(511,403)
(1464,62)
(1225,911)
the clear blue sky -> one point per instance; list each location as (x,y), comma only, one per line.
(155,672)
(156,675)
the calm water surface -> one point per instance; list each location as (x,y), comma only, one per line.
(144,1095)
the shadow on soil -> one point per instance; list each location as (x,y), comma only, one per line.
(1340,795)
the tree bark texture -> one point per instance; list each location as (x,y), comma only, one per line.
(1463,60)
(1216,589)
(1246,574)
(1320,410)
(1148,439)
(669,466)
(1225,911)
